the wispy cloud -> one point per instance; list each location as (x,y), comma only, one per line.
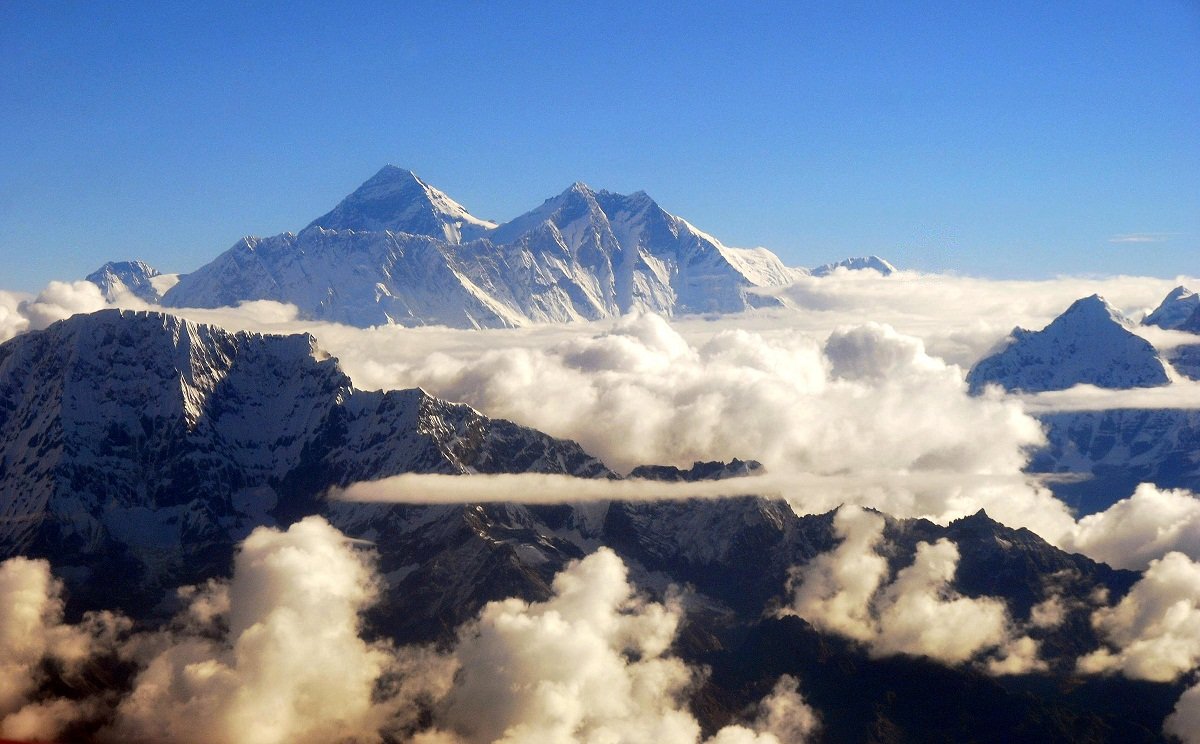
(1142,237)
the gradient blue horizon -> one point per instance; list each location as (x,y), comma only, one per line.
(1022,139)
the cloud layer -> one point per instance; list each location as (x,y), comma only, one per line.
(1154,631)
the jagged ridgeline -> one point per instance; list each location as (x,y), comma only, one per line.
(398,250)
(1092,343)
(137,449)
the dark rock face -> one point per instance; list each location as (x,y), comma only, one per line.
(1117,449)
(903,699)
(136,448)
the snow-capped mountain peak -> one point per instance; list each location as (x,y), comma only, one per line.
(1090,314)
(1176,308)
(135,277)
(399,251)
(396,199)
(1090,343)
(858,263)
(576,201)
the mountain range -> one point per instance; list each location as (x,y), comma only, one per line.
(1091,343)
(136,449)
(398,250)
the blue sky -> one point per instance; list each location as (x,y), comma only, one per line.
(1016,139)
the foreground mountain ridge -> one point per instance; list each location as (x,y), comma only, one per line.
(137,448)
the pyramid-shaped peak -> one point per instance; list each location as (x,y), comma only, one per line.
(392,178)
(396,199)
(1175,310)
(1090,343)
(117,277)
(140,268)
(1094,307)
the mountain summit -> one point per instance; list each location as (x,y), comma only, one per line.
(396,199)
(399,251)
(1176,310)
(1089,343)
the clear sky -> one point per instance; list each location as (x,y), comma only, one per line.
(1008,139)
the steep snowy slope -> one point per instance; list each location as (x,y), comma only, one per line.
(1179,306)
(136,448)
(1191,323)
(1088,344)
(357,278)
(136,277)
(399,251)
(397,200)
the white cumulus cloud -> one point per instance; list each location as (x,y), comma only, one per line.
(1153,633)
(293,666)
(32,631)
(846,591)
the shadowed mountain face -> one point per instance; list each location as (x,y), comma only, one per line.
(137,448)
(1118,449)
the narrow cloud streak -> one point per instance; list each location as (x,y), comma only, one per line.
(538,488)
(937,495)
(1147,237)
(1181,394)
(1130,534)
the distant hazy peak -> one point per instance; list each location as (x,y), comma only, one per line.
(137,277)
(1175,310)
(857,263)
(396,199)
